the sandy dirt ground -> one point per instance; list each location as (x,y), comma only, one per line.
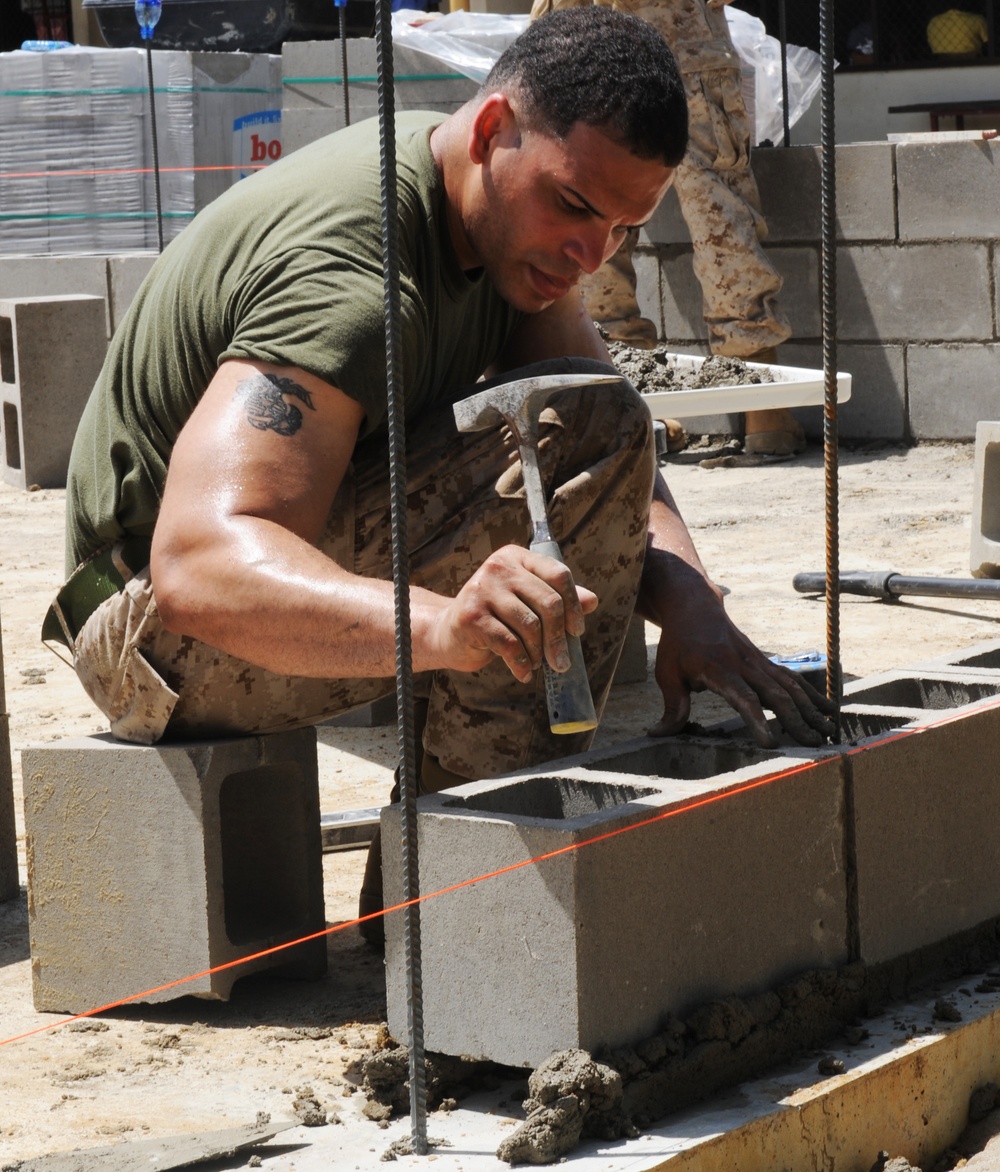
(187,1065)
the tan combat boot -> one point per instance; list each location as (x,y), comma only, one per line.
(775,431)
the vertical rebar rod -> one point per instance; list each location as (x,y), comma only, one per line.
(783,38)
(828,185)
(400,576)
(156,147)
(342,17)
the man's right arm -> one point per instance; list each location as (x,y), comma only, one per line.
(235,563)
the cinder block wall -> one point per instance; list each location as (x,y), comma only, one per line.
(917,265)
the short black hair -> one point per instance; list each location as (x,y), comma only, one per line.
(602,67)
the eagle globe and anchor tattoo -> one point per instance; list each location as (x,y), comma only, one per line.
(268,409)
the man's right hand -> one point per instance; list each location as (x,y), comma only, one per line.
(518,606)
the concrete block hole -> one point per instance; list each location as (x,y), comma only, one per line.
(920,692)
(683,760)
(12,436)
(7,373)
(858,726)
(987,660)
(554,798)
(990,524)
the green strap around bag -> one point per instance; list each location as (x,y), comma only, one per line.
(100,577)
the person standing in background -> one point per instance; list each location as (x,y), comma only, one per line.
(721,207)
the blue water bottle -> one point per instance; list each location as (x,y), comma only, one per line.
(147,13)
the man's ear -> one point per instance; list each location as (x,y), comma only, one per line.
(492,120)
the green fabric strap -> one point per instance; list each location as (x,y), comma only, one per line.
(99,578)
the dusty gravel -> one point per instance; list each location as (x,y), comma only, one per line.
(148,1071)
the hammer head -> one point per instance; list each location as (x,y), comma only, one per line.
(518,403)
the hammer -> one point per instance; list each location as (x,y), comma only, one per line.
(518,403)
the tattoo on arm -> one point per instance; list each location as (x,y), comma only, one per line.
(267,406)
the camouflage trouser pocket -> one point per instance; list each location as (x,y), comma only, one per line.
(113,670)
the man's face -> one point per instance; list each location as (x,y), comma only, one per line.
(550,210)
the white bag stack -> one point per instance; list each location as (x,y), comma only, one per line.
(85,111)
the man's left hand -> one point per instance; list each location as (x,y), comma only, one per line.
(701,648)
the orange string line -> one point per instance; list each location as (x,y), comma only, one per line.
(695,804)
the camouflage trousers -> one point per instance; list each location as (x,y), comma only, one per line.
(465,500)
(716,191)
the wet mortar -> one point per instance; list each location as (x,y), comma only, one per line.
(574,1096)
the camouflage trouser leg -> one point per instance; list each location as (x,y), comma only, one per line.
(465,500)
(715,187)
(721,207)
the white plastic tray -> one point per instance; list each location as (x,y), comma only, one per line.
(796,386)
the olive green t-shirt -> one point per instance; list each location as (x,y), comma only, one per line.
(285,267)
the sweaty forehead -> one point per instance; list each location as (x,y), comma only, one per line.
(607,176)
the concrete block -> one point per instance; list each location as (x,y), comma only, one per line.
(666,225)
(980,657)
(984,545)
(125,274)
(633,666)
(680,299)
(594,946)
(682,305)
(789,185)
(921,691)
(647,286)
(800,290)
(926,811)
(311,72)
(46,276)
(877,406)
(51,349)
(300,127)
(933,292)
(151,863)
(951,388)
(928,178)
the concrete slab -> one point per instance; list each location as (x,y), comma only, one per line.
(592,948)
(149,863)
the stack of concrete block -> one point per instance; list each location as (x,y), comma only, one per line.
(748,867)
(51,349)
(77,148)
(313,102)
(148,864)
(8,836)
(918,226)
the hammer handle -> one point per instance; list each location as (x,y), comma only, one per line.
(571,705)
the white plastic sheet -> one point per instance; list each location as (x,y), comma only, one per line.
(763,52)
(467,41)
(470,42)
